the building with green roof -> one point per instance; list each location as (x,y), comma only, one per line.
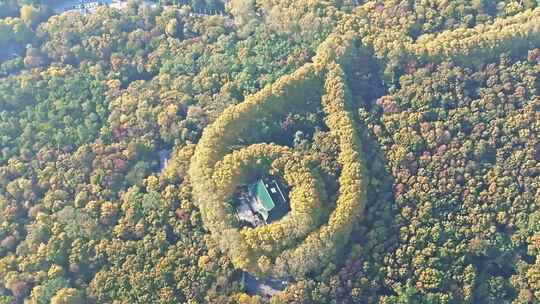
(266,199)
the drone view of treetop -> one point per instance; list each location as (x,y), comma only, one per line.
(270,151)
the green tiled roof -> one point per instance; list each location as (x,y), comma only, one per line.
(264,196)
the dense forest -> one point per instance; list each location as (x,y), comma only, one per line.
(407,130)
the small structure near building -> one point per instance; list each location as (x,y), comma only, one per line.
(262,202)
(163,159)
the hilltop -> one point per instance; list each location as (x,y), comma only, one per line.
(405,135)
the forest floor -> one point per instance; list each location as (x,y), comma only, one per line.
(262,287)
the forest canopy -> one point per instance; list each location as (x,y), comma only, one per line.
(407,131)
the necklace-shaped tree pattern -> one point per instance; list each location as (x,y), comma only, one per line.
(300,244)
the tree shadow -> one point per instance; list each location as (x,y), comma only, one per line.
(377,231)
